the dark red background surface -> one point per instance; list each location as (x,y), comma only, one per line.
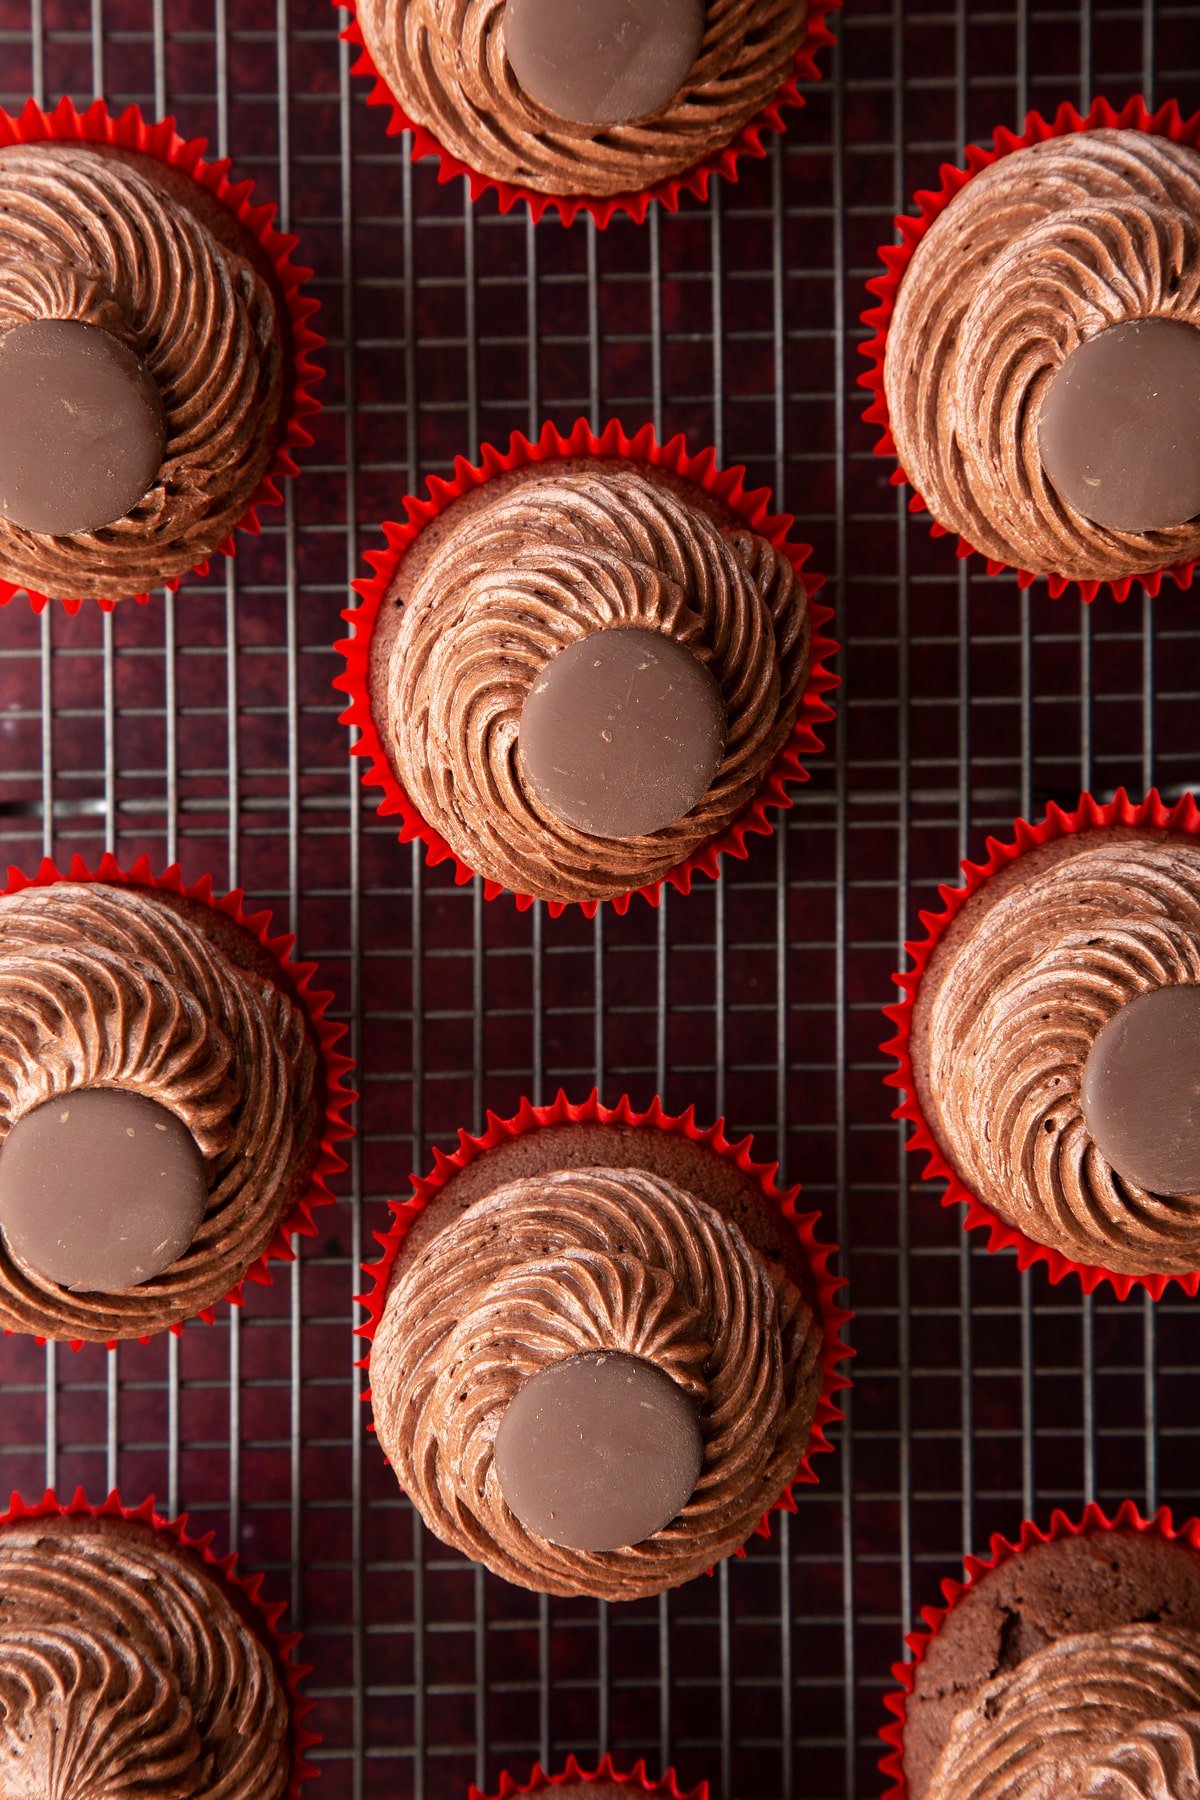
(205,727)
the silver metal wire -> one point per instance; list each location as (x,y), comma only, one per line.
(204,727)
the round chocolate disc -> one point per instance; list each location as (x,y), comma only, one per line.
(82,430)
(1119,431)
(622,733)
(599,1451)
(101,1189)
(1141,1090)
(602,62)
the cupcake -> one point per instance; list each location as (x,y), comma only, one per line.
(148,335)
(602,1345)
(1040,349)
(1051,1045)
(581,674)
(600,105)
(131,1661)
(603,1783)
(168,1102)
(1068,1665)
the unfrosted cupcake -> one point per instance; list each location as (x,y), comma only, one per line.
(1068,1666)
(1041,366)
(580,675)
(1052,1043)
(601,1350)
(167,1094)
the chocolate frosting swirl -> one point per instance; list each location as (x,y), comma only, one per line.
(1101,1716)
(103,239)
(550,1267)
(104,986)
(1020,990)
(445,62)
(125,1669)
(1040,252)
(551,560)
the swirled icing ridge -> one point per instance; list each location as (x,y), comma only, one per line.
(104,986)
(98,239)
(125,1669)
(553,1266)
(554,558)
(445,62)
(1038,253)
(1100,1716)
(1018,994)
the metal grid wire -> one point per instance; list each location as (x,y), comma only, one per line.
(203,727)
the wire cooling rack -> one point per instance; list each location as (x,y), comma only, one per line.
(204,727)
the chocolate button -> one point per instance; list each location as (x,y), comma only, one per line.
(82,430)
(598,1451)
(1119,431)
(602,62)
(622,733)
(1141,1091)
(100,1190)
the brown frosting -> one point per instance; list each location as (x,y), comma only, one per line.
(1098,1716)
(550,560)
(1039,253)
(104,986)
(445,62)
(1007,1012)
(104,240)
(581,1260)
(126,1668)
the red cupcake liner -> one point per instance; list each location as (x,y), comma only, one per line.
(603,209)
(223,1569)
(339,1098)
(591,1112)
(636,1780)
(1166,122)
(130,131)
(728,486)
(1152,812)
(1093,1522)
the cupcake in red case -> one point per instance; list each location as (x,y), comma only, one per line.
(586,666)
(1049,1044)
(588,106)
(606,1782)
(155,356)
(1036,350)
(603,1347)
(133,1659)
(1067,1664)
(170,1100)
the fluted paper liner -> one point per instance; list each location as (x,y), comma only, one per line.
(636,1780)
(1002,1550)
(1167,121)
(728,487)
(131,131)
(223,1569)
(1151,812)
(299,1221)
(563,1111)
(696,181)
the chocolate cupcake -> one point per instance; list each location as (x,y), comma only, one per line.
(600,1353)
(583,672)
(164,1101)
(1070,1668)
(606,1782)
(584,98)
(1055,1039)
(144,355)
(131,1663)
(1041,369)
